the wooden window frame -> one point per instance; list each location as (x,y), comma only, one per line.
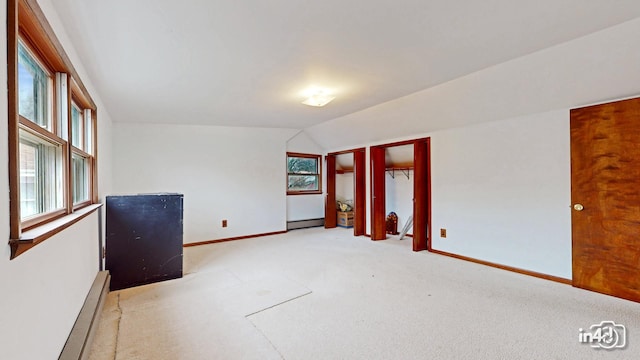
(27,23)
(83,104)
(318,159)
(48,134)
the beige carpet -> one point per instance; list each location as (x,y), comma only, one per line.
(323,294)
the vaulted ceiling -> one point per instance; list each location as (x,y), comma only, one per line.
(246,63)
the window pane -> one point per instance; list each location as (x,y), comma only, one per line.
(28,202)
(80,170)
(303,182)
(33,89)
(300,165)
(40,175)
(76,126)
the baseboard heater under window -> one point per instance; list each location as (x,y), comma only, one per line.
(303,224)
(78,344)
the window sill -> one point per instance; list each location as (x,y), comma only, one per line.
(35,236)
(314,192)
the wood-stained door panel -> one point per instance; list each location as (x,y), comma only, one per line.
(605,194)
(421,195)
(378,229)
(330,207)
(359,185)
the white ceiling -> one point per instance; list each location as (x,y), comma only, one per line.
(245,63)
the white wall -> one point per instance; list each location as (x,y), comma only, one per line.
(399,196)
(501,189)
(503,192)
(237,174)
(345,187)
(500,145)
(44,288)
(304,207)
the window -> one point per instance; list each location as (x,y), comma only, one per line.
(76,126)
(304,174)
(81,149)
(41,166)
(33,86)
(51,131)
(80,178)
(41,158)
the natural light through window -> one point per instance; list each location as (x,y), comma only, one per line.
(76,126)
(40,175)
(303,174)
(51,133)
(80,179)
(33,84)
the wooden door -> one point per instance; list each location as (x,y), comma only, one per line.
(330,207)
(378,229)
(420,195)
(359,184)
(605,195)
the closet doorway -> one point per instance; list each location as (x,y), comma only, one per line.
(407,158)
(346,181)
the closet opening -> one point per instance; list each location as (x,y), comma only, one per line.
(400,184)
(345,199)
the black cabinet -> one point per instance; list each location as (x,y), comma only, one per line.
(143,238)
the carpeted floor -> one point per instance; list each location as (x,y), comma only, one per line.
(324,294)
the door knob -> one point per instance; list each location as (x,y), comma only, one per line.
(578,207)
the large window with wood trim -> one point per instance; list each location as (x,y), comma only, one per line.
(304,174)
(52,131)
(41,158)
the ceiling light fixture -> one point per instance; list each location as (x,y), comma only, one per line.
(319,98)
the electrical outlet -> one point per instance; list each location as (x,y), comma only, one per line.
(443,233)
(224,223)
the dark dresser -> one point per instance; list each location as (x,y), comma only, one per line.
(143,238)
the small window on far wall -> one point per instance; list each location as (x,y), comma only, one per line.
(304,174)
